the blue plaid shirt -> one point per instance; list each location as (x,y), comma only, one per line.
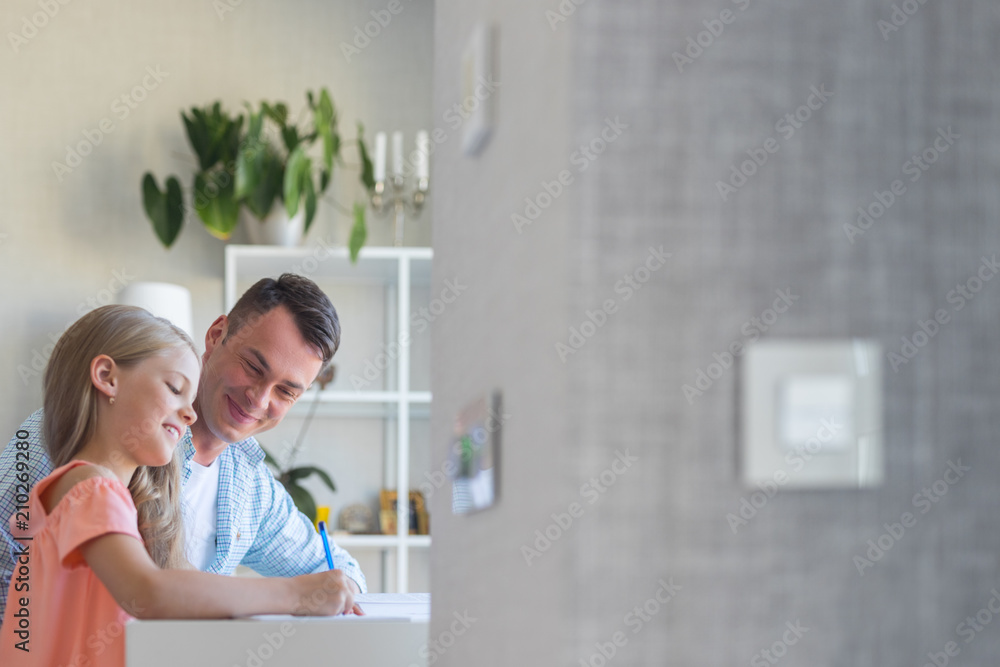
(258,524)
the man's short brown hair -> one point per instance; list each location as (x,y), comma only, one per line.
(311,309)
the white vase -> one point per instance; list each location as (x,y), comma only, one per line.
(276,228)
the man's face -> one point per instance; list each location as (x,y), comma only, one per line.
(250,381)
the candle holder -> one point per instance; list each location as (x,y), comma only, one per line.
(399,201)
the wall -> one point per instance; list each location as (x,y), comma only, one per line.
(665,518)
(68,239)
(496,334)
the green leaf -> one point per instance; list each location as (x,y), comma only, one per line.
(297,171)
(290,135)
(261,201)
(278,113)
(259,170)
(302,472)
(326,479)
(336,143)
(259,181)
(255,124)
(367,171)
(293,475)
(231,140)
(327,149)
(215,203)
(175,209)
(248,175)
(165,210)
(325,107)
(325,122)
(358,232)
(213,135)
(310,202)
(326,174)
(249,161)
(197,134)
(302,499)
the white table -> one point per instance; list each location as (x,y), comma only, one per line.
(276,641)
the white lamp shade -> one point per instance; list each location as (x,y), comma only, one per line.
(166,300)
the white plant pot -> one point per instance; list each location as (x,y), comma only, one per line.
(276,228)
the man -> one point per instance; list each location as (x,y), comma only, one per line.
(258,362)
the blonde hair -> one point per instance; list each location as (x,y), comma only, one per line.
(128,335)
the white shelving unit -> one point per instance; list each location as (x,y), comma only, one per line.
(394,273)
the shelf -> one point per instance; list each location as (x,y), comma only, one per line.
(377,404)
(373,396)
(379,541)
(379,296)
(369,410)
(375,264)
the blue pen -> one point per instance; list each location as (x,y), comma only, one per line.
(326,543)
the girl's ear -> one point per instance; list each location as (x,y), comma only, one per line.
(104,375)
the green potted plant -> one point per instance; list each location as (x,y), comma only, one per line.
(290,478)
(244,170)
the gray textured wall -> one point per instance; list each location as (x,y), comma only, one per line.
(784,228)
(656,184)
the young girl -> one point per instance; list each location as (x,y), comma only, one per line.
(101,537)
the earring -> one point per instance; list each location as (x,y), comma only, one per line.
(111,400)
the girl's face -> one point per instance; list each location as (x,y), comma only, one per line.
(153,405)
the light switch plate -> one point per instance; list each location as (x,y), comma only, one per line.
(811,414)
(805,400)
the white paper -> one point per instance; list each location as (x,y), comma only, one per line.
(412,606)
(377,606)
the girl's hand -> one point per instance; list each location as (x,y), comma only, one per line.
(324,594)
(145,591)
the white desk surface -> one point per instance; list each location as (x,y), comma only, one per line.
(384,638)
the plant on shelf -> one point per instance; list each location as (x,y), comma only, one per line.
(244,168)
(291,477)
